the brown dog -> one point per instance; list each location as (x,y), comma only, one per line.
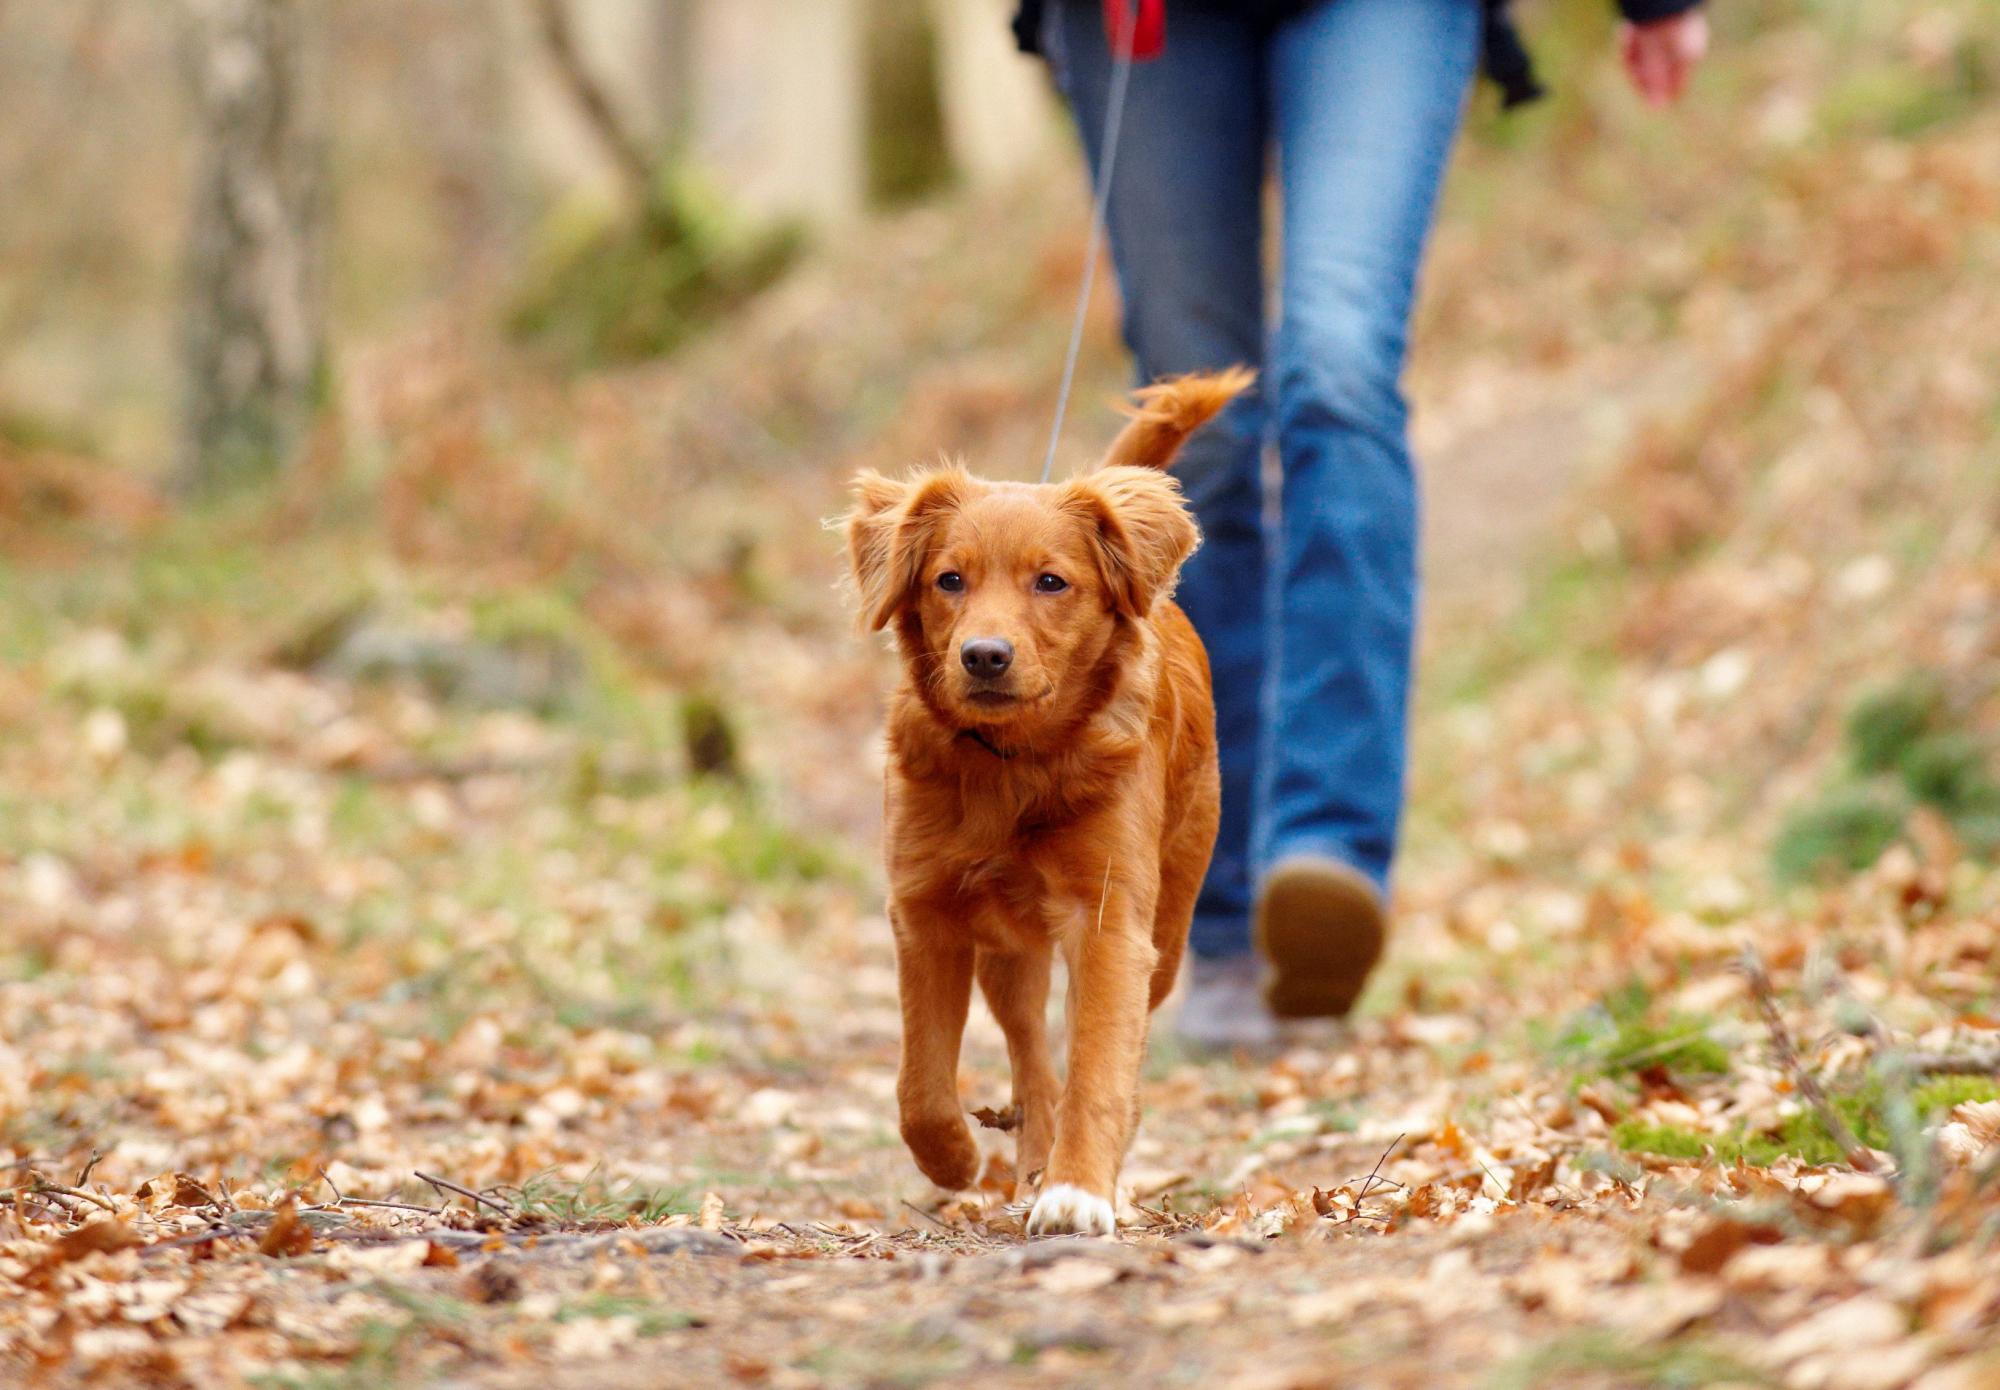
(1052,784)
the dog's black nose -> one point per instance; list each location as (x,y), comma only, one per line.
(987,657)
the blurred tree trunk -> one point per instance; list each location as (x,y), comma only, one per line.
(453,78)
(253,318)
(622,144)
(675,68)
(908,155)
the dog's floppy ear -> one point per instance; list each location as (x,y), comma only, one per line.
(889,535)
(1142,532)
(1167,412)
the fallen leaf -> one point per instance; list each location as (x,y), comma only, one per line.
(1717,1242)
(189,1193)
(1006,1120)
(99,1237)
(287,1235)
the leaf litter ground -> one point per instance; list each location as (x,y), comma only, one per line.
(422,1019)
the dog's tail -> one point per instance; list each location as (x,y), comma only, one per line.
(1167,412)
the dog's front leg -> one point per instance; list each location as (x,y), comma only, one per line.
(934,978)
(1016,986)
(1111,963)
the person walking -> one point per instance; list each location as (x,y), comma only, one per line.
(1309,623)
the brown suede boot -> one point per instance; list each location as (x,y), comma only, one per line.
(1320,927)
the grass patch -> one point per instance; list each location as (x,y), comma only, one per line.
(595,1200)
(1885,724)
(1846,831)
(1680,1044)
(382,1346)
(1949,771)
(1902,752)
(650,1318)
(1566,1359)
(1616,1037)
(1944,1092)
(1904,103)
(1866,1111)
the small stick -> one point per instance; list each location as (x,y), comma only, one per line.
(60,1191)
(391,1206)
(928,1217)
(219,1231)
(84,1176)
(342,1200)
(1369,1185)
(330,1183)
(1985,1062)
(446,1185)
(1857,1153)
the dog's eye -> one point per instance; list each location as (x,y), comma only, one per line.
(951,581)
(1050,584)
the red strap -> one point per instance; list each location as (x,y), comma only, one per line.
(1147,30)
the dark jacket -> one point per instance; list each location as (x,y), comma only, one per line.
(1504,60)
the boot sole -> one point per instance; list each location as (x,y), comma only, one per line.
(1321,927)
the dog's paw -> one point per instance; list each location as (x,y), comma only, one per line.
(1068,1210)
(945,1150)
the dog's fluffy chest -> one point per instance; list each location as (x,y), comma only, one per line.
(994,850)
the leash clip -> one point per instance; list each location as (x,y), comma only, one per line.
(1136,37)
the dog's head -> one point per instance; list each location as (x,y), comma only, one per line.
(1005,597)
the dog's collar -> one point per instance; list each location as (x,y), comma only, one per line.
(988,744)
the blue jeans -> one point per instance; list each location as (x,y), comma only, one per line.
(1308,614)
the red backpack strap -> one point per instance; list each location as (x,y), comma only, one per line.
(1147,27)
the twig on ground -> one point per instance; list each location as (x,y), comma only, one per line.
(387,1206)
(446,1185)
(58,1190)
(1374,1172)
(340,1199)
(928,1217)
(1983,1062)
(83,1174)
(1858,1155)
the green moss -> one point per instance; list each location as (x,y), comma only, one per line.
(650,1318)
(1942,1093)
(1666,1141)
(1887,723)
(1865,1110)
(1904,102)
(1949,771)
(1615,1035)
(1669,1141)
(616,289)
(1583,1357)
(1680,1044)
(1847,830)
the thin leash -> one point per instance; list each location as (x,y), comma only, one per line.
(1124,49)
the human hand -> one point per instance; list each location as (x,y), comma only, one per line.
(1660,56)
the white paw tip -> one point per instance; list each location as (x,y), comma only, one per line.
(1066,1209)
